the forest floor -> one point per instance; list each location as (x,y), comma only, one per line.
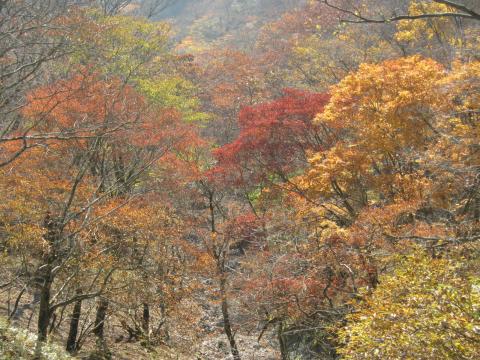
(210,344)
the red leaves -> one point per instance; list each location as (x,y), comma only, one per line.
(248,231)
(274,138)
(85,103)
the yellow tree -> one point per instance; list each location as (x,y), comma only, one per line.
(425,309)
(379,118)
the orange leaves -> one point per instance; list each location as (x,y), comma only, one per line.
(389,105)
(91,139)
(383,114)
(87,107)
(84,105)
(157,128)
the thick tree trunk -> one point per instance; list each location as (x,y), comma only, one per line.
(226,320)
(146,320)
(44,308)
(99,328)
(281,341)
(74,323)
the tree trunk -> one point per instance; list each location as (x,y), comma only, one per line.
(45,276)
(146,320)
(45,283)
(281,341)
(44,309)
(223,286)
(100,318)
(74,322)
(163,311)
(53,322)
(226,320)
(98,330)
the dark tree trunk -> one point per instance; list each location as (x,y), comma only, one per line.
(53,321)
(220,259)
(226,320)
(44,308)
(74,323)
(281,341)
(13,314)
(45,275)
(100,318)
(146,319)
(163,311)
(98,329)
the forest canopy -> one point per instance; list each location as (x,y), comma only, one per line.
(240,179)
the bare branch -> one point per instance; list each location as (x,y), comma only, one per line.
(357,18)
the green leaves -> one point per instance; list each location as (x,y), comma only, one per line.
(174,92)
(138,52)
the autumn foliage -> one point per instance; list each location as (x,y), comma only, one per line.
(284,126)
(308,190)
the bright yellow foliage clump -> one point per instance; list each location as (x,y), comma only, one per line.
(443,28)
(376,116)
(426,309)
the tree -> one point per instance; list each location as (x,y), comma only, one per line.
(367,190)
(450,9)
(33,35)
(230,79)
(70,182)
(137,51)
(284,127)
(424,308)
(383,119)
(147,8)
(301,50)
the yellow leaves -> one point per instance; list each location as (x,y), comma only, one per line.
(384,108)
(342,163)
(425,309)
(204,262)
(463,81)
(137,221)
(380,90)
(388,105)
(406,34)
(399,132)
(25,237)
(459,112)
(123,45)
(443,28)
(173,92)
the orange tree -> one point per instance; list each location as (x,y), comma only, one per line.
(399,168)
(55,195)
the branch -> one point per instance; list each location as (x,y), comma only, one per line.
(460,7)
(360,19)
(425,239)
(84,296)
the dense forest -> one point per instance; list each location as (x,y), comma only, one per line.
(240,179)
